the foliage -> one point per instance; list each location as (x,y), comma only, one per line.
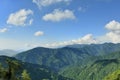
(10,73)
(113,76)
(97,71)
(26,71)
(25,75)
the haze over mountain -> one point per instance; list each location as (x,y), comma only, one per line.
(8,52)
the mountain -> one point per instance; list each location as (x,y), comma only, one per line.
(54,58)
(8,52)
(37,72)
(60,58)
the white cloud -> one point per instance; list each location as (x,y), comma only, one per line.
(44,3)
(20,18)
(87,39)
(39,33)
(59,15)
(113,37)
(3,30)
(113,26)
(114,31)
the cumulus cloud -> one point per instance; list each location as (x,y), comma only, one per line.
(3,30)
(114,31)
(59,15)
(44,3)
(113,26)
(39,33)
(87,39)
(113,35)
(20,18)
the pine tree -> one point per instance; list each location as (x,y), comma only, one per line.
(1,72)
(13,67)
(25,75)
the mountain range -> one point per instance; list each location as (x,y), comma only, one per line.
(77,62)
(70,55)
(8,52)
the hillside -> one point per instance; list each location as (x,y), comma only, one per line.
(36,72)
(102,67)
(97,71)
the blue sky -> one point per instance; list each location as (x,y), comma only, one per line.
(51,23)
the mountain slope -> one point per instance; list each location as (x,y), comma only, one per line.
(36,72)
(97,71)
(103,66)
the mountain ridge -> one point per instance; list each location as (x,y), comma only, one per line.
(61,57)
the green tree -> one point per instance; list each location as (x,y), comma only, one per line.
(1,72)
(25,75)
(13,67)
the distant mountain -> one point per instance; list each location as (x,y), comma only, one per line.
(8,52)
(97,49)
(67,56)
(37,72)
